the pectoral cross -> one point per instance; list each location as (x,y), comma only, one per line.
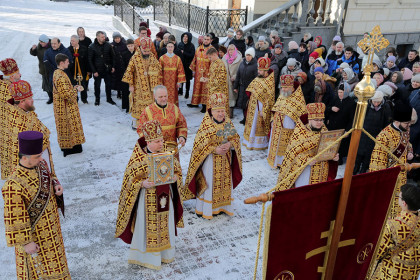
(374,41)
(227,130)
(79,79)
(325,249)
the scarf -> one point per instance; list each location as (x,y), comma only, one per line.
(231,59)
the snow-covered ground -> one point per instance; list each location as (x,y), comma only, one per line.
(223,248)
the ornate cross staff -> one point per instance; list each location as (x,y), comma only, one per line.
(373,42)
(227,131)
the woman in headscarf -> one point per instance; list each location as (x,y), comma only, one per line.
(323,94)
(307,90)
(249,42)
(233,59)
(340,116)
(349,77)
(318,41)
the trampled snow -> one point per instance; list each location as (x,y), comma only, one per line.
(223,248)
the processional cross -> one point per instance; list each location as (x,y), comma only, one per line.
(373,42)
(227,131)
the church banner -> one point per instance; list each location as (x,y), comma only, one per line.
(300,223)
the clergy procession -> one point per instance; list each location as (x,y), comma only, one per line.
(297,109)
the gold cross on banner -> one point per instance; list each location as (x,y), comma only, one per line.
(325,249)
(375,41)
(227,130)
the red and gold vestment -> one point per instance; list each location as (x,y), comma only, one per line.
(200,66)
(172,74)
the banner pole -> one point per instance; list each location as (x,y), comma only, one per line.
(364,90)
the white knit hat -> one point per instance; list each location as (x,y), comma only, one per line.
(386,90)
(250,51)
(291,62)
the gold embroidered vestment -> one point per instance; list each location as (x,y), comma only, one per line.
(157,232)
(144,74)
(380,159)
(4,96)
(218,81)
(172,74)
(18,193)
(302,147)
(292,106)
(66,111)
(200,66)
(205,144)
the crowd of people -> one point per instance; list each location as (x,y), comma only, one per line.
(288,99)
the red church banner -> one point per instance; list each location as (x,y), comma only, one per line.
(300,223)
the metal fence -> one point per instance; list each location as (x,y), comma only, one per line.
(128,14)
(183,14)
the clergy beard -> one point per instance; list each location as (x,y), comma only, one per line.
(261,76)
(338,53)
(30,108)
(146,56)
(206,45)
(402,128)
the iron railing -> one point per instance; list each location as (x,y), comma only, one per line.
(128,14)
(183,14)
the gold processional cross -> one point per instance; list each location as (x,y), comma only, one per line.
(326,249)
(373,42)
(227,130)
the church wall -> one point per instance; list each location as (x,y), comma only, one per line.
(392,15)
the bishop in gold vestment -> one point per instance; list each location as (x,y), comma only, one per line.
(216,162)
(218,77)
(261,101)
(399,248)
(148,214)
(10,74)
(172,73)
(68,123)
(34,227)
(287,111)
(172,121)
(143,73)
(395,137)
(200,67)
(302,147)
(22,117)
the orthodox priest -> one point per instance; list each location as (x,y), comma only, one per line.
(218,77)
(398,256)
(261,99)
(172,121)
(216,162)
(302,147)
(395,137)
(11,74)
(143,73)
(172,72)
(21,117)
(200,67)
(148,214)
(66,110)
(32,196)
(287,111)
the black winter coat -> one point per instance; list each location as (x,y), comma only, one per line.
(83,61)
(119,49)
(101,57)
(245,75)
(49,60)
(39,53)
(375,121)
(86,42)
(187,54)
(240,45)
(294,54)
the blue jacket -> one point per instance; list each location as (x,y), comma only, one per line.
(352,62)
(332,61)
(49,59)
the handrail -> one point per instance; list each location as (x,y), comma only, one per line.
(260,21)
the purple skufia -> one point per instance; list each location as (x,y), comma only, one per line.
(30,142)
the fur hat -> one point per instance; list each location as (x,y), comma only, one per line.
(416,78)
